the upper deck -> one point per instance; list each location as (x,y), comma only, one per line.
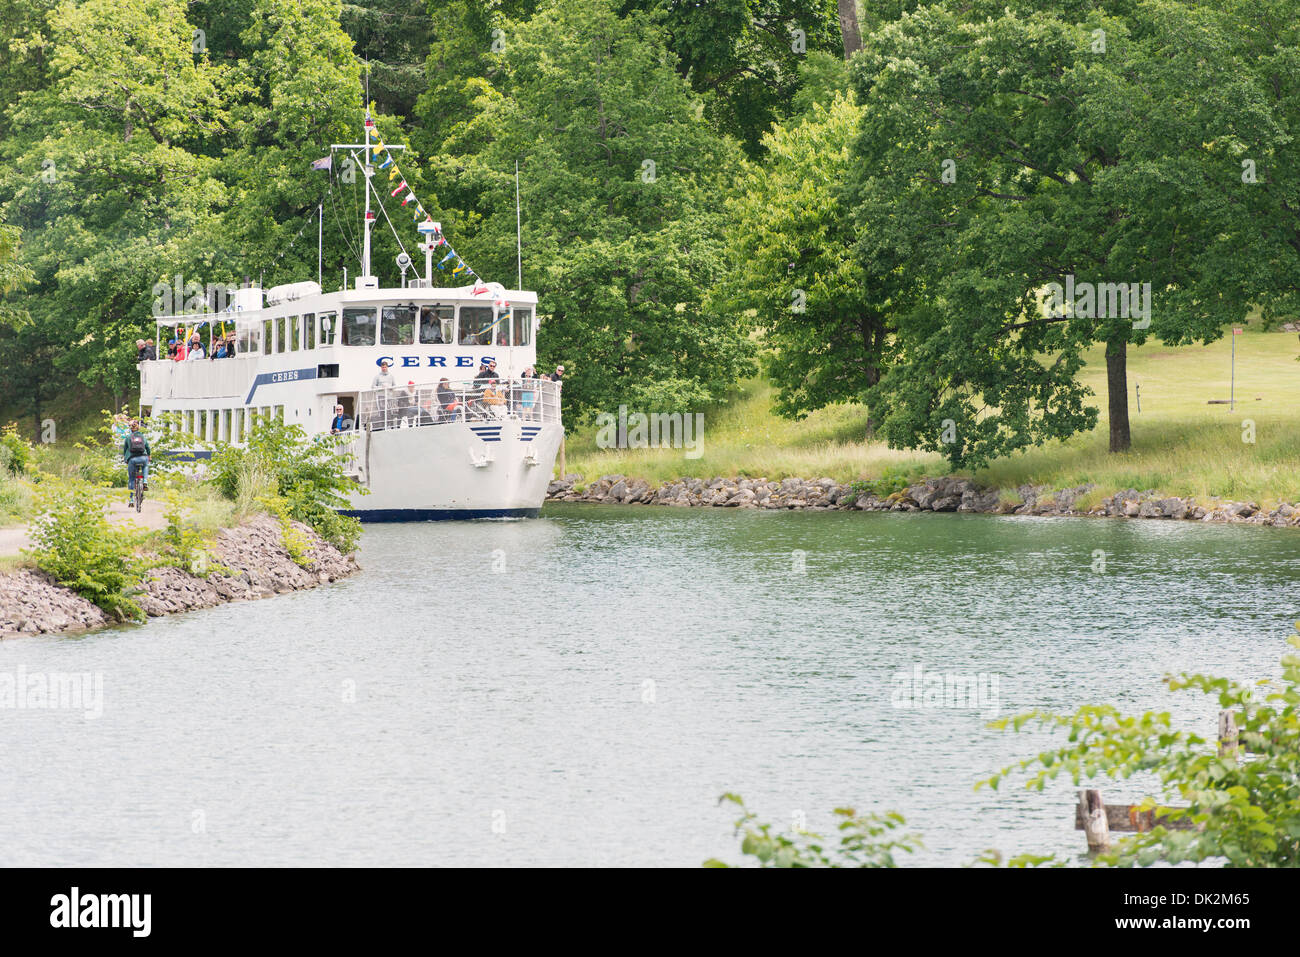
(338,339)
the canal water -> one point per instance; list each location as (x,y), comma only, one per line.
(580,689)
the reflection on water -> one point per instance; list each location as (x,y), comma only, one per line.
(579,689)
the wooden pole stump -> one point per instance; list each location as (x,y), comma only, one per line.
(1095,825)
(1227,733)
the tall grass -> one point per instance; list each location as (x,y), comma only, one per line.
(1182,445)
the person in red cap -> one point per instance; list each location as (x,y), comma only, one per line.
(408,403)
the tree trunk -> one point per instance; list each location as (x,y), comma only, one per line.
(1117,393)
(849,27)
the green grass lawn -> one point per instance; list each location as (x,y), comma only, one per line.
(1181,445)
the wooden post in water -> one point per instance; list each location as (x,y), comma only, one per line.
(1095,826)
(1227,733)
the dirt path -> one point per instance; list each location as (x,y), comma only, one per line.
(14,538)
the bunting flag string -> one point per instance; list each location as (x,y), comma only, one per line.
(432,230)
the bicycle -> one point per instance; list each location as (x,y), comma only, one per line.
(139,492)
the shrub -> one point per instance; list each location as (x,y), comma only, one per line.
(893,479)
(75,543)
(15,451)
(865,841)
(185,544)
(281,462)
(294,542)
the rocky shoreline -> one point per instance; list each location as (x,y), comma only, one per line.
(949,494)
(254,564)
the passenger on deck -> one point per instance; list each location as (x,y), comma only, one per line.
(408,403)
(180,350)
(340,422)
(427,412)
(196,350)
(557,375)
(451,405)
(144,350)
(219,350)
(483,372)
(383,378)
(492,396)
(526,392)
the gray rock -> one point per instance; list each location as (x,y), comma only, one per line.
(1173,507)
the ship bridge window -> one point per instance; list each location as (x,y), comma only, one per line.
(309,330)
(398,327)
(437,325)
(293,331)
(523,323)
(268,336)
(476,325)
(328,328)
(359,327)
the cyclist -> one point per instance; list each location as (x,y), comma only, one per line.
(135,449)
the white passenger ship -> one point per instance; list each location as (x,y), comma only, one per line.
(468,449)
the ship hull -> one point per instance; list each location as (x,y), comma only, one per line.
(458,470)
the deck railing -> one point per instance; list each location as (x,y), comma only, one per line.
(476,400)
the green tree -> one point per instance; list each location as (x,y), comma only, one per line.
(621,187)
(108,175)
(743,56)
(791,242)
(1004,150)
(299,92)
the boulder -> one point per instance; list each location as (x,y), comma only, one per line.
(1173,507)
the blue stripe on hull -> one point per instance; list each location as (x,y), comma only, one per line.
(437,514)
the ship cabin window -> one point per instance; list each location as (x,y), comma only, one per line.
(268,335)
(309,330)
(476,325)
(279,335)
(523,323)
(359,327)
(294,332)
(398,326)
(437,325)
(328,328)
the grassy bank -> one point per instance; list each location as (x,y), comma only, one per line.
(1181,444)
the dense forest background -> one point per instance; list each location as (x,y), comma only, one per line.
(867,200)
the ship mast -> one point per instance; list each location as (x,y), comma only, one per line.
(366,280)
(368,170)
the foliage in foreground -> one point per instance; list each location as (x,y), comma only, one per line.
(76,544)
(306,473)
(15,451)
(865,841)
(1244,806)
